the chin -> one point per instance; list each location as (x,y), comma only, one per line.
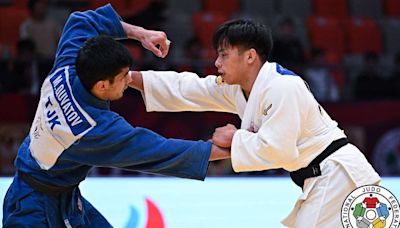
(116,97)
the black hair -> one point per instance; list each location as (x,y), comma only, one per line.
(245,33)
(101,58)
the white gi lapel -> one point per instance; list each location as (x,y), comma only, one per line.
(59,121)
(250,119)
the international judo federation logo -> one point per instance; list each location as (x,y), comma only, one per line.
(370,206)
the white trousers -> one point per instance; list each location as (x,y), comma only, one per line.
(321,202)
(322,199)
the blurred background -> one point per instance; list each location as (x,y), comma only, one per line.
(347,50)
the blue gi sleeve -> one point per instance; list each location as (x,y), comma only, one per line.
(81,26)
(115,143)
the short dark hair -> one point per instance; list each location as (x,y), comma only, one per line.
(245,33)
(101,58)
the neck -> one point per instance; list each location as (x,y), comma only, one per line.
(250,78)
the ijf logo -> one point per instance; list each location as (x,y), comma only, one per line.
(371,206)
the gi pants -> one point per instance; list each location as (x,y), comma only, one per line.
(320,204)
(25,207)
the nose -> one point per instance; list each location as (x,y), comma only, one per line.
(217,63)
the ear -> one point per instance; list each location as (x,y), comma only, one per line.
(99,89)
(100,86)
(251,55)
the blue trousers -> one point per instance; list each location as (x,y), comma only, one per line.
(25,207)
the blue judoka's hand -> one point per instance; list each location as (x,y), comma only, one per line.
(155,41)
(218,153)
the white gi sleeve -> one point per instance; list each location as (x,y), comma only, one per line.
(174,92)
(275,144)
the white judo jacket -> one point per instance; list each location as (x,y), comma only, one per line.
(290,127)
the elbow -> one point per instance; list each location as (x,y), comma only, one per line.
(290,156)
(282,155)
(279,151)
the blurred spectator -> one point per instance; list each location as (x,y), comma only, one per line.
(394,80)
(25,72)
(5,59)
(4,72)
(319,78)
(288,49)
(370,85)
(5,52)
(43,31)
(192,49)
(11,136)
(151,17)
(192,57)
(22,74)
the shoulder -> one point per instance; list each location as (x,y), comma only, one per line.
(107,122)
(287,82)
(283,87)
(282,77)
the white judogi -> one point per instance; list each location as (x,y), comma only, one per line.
(290,130)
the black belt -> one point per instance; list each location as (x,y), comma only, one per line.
(45,188)
(313,169)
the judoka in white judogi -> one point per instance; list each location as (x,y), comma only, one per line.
(290,130)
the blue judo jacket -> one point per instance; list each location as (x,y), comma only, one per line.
(74,131)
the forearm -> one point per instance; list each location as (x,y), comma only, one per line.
(175,92)
(219,153)
(133,31)
(136,81)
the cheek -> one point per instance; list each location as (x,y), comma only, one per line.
(120,85)
(117,88)
(234,67)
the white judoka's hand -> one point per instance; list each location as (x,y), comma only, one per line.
(223,135)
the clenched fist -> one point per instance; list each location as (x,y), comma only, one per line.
(223,135)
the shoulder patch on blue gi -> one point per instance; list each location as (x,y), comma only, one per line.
(283,71)
(59,120)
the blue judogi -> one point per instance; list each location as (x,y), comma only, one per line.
(74,131)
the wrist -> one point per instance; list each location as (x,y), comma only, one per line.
(133,31)
(138,33)
(136,80)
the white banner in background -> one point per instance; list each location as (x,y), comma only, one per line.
(158,202)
